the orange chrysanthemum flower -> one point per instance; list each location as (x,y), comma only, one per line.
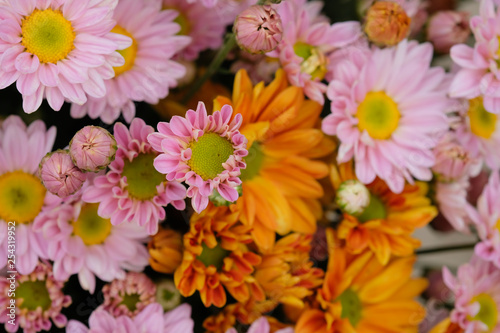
(280,187)
(165,250)
(286,273)
(216,258)
(360,295)
(386,224)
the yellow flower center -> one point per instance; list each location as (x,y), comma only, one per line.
(378,114)
(34,294)
(351,306)
(48,35)
(488,312)
(254,161)
(142,177)
(128,54)
(181,20)
(208,154)
(314,62)
(90,227)
(21,197)
(213,256)
(482,123)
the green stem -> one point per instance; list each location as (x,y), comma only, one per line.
(221,55)
(446,248)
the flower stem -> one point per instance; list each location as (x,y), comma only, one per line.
(229,44)
(446,248)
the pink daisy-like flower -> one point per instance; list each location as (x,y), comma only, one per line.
(129,296)
(132,190)
(486,218)
(151,319)
(479,132)
(58,49)
(479,73)
(148,71)
(39,299)
(22,195)
(477,296)
(308,41)
(205,151)
(261,325)
(205,27)
(80,241)
(388,107)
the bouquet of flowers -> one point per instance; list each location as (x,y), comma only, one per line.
(228,166)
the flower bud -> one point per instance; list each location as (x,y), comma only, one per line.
(453,161)
(92,148)
(167,294)
(258,29)
(353,197)
(387,23)
(165,250)
(59,175)
(448,28)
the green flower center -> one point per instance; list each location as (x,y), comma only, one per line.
(208,154)
(21,197)
(376,210)
(142,177)
(351,306)
(482,122)
(34,294)
(213,256)
(254,161)
(488,312)
(90,227)
(378,114)
(130,301)
(314,62)
(129,54)
(48,35)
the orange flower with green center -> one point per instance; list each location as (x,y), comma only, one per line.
(280,183)
(386,223)
(360,295)
(217,259)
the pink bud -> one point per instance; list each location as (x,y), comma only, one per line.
(258,29)
(92,148)
(453,161)
(448,28)
(59,175)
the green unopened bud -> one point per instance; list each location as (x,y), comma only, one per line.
(353,197)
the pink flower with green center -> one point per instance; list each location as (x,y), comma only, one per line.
(58,49)
(133,191)
(80,241)
(151,320)
(39,301)
(205,151)
(477,296)
(128,297)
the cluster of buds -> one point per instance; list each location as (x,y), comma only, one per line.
(91,149)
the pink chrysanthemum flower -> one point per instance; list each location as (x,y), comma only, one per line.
(479,132)
(308,41)
(92,148)
(478,76)
(447,28)
(39,299)
(151,319)
(261,325)
(80,241)
(205,151)
(148,71)
(58,49)
(451,198)
(132,190)
(205,27)
(22,195)
(477,296)
(128,297)
(387,108)
(486,218)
